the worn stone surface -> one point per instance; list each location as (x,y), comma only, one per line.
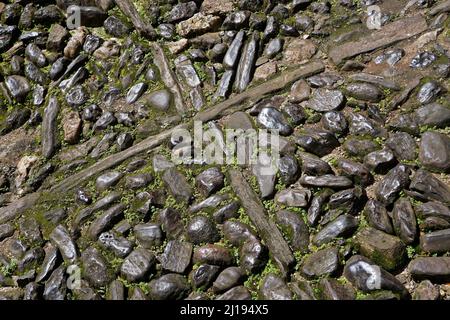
(133,147)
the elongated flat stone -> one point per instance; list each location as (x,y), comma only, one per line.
(389,34)
(49,128)
(267,229)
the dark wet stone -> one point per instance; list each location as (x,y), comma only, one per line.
(177,185)
(313,165)
(119,245)
(391,56)
(293,197)
(361,125)
(236,20)
(396,180)
(201,229)
(377,216)
(224,86)
(288,31)
(434,152)
(217,53)
(324,100)
(237,232)
(106,220)
(232,55)
(77,96)
(171,223)
(149,235)
(203,276)
(359,148)
(405,122)
(296,113)
(48,15)
(364,91)
(326,79)
(91,113)
(210,181)
(169,287)
(226,212)
(115,291)
(434,115)
(403,146)
(213,254)
(18,87)
(349,201)
(433,224)
(209,203)
(136,164)
(433,209)
(137,265)
(436,269)
(49,263)
(316,208)
(136,92)
(380,161)
(11,13)
(125,118)
(429,92)
(326,181)
(61,238)
(177,256)
(16,64)
(124,141)
(138,181)
(236,293)
(182,11)
(166,30)
(335,122)
(106,119)
(331,289)
(422,60)
(35,55)
(404,220)
(274,288)
(115,27)
(321,263)
(355,170)
(228,278)
(108,180)
(274,47)
(384,249)
(429,187)
(317,141)
(247,61)
(58,67)
(38,95)
(342,226)
(95,268)
(92,43)
(35,74)
(253,256)
(289,169)
(366,276)
(55,286)
(436,241)
(7,36)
